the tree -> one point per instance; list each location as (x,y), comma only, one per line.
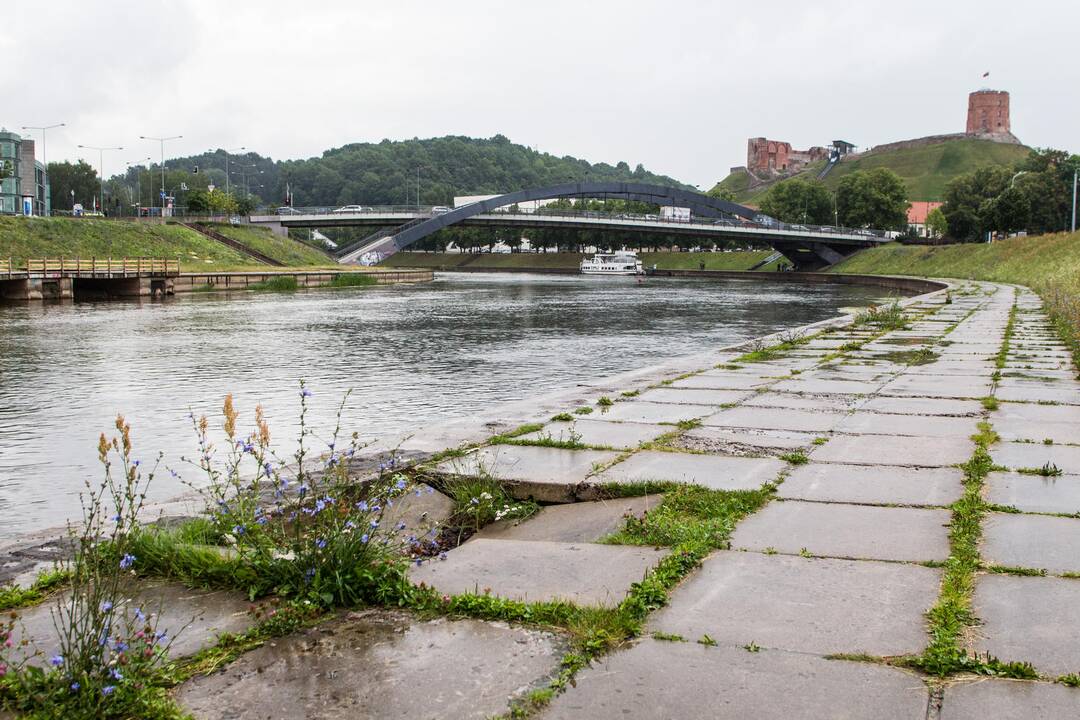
(936,224)
(969,201)
(65,177)
(873,199)
(799,201)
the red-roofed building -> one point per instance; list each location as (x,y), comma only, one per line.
(916,215)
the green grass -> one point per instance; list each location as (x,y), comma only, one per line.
(283,249)
(13,596)
(281,283)
(22,238)
(925,170)
(353,279)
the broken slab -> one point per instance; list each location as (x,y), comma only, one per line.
(543,473)
(888,450)
(539,571)
(1031,619)
(846,531)
(873,484)
(574,522)
(1032,541)
(662,680)
(713,471)
(814,605)
(380,665)
(1035,493)
(985,698)
(600,433)
(420,511)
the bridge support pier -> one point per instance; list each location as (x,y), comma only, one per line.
(809,256)
(36,289)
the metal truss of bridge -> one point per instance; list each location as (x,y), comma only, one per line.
(808,247)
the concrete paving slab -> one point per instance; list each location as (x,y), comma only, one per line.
(870,423)
(814,605)
(712,471)
(753,442)
(601,433)
(536,571)
(1014,429)
(650,412)
(693,397)
(985,698)
(1035,455)
(1032,541)
(873,484)
(193,618)
(728,380)
(827,387)
(885,450)
(769,419)
(926,386)
(823,403)
(1037,394)
(380,665)
(546,474)
(420,511)
(1035,413)
(846,531)
(1034,493)
(657,680)
(1029,618)
(572,523)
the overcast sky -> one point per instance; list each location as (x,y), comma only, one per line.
(678,86)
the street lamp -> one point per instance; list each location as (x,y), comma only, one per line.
(1074,202)
(162,140)
(101,168)
(227,151)
(44,161)
(138,178)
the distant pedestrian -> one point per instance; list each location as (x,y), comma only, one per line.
(701,265)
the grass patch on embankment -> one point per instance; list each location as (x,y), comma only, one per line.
(22,238)
(740,260)
(1048,264)
(282,249)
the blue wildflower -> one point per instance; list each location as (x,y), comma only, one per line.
(350,524)
(309,574)
(115,518)
(374,523)
(238,530)
(362,506)
(57,660)
(305,393)
(116,675)
(121,646)
(400,484)
(139,615)
(108,689)
(106,606)
(75,687)
(127,561)
(320,543)
(364,538)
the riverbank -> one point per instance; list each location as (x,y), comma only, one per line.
(570,262)
(1048,264)
(285,280)
(823,493)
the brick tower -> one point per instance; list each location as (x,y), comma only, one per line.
(988,113)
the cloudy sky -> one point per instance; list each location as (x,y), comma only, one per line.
(677,86)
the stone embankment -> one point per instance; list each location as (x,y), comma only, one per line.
(909,486)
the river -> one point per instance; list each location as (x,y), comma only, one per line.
(413,355)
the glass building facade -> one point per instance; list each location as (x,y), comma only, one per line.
(24,185)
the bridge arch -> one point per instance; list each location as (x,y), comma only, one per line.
(386,244)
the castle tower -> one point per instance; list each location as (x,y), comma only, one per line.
(988,113)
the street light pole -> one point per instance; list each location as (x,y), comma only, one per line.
(138,179)
(162,140)
(101,168)
(1074,202)
(44,160)
(227,166)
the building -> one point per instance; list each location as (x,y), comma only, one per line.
(24,187)
(917,213)
(988,113)
(776,157)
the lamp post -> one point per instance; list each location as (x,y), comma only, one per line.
(162,140)
(138,180)
(227,151)
(1074,202)
(44,160)
(101,168)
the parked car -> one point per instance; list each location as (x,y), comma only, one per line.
(440,210)
(285,210)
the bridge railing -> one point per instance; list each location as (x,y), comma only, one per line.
(105,267)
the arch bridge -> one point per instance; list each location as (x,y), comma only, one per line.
(808,247)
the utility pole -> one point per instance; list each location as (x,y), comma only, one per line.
(101,169)
(1074,202)
(44,160)
(162,140)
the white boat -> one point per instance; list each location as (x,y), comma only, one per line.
(619,263)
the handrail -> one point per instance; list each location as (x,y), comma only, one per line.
(95,266)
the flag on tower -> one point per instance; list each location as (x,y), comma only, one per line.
(986,74)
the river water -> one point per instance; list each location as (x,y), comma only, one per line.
(413,355)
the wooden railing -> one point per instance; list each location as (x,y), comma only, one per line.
(103,266)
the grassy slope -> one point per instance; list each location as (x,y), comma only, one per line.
(22,238)
(926,170)
(525,261)
(282,249)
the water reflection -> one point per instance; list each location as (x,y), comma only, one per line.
(413,355)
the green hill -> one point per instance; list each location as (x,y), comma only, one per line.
(925,169)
